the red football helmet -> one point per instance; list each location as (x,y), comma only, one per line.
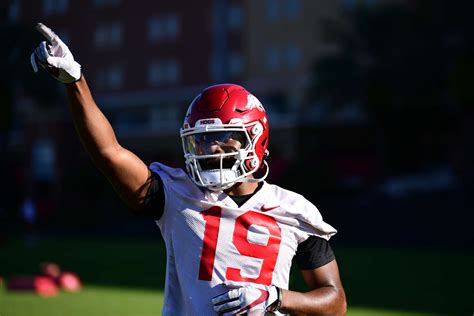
(225,137)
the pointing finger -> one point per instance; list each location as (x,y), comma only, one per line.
(47,33)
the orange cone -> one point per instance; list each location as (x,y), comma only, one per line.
(70,282)
(50,269)
(45,286)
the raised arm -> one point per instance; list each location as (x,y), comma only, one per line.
(129,175)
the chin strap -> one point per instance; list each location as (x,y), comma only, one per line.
(213,177)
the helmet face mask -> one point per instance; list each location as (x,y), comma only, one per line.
(224,137)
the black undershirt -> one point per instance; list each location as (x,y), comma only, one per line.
(312,253)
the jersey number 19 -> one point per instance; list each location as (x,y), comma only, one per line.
(268,253)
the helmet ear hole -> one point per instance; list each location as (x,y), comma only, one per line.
(264,158)
(251,163)
(254,162)
(257,129)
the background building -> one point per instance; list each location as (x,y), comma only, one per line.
(356,103)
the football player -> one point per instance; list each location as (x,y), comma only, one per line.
(230,236)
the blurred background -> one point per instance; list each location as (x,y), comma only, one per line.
(371,110)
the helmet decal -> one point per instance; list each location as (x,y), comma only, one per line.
(253,102)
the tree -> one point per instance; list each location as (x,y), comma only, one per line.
(406,65)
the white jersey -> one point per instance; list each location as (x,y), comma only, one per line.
(210,239)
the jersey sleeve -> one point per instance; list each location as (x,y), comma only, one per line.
(313,253)
(300,213)
(307,217)
(154,203)
(176,187)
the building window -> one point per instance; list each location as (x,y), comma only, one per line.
(106,3)
(108,35)
(349,4)
(236,64)
(272,9)
(164,72)
(293,8)
(14,10)
(174,72)
(292,56)
(48,7)
(43,160)
(109,77)
(131,120)
(155,74)
(115,34)
(216,68)
(115,77)
(272,59)
(235,18)
(278,9)
(51,7)
(288,57)
(165,27)
(370,3)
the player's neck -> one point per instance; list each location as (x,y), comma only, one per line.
(242,188)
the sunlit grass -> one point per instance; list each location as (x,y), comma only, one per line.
(103,301)
(91,301)
(360,311)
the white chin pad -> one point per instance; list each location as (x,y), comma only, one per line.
(213,177)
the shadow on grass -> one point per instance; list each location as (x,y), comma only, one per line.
(428,281)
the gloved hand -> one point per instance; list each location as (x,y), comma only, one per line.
(55,57)
(247,298)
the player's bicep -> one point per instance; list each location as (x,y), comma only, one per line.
(129,176)
(324,276)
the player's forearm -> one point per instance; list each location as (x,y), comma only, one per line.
(93,128)
(125,171)
(322,301)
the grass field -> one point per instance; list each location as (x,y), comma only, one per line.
(125,277)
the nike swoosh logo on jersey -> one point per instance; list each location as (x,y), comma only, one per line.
(262,298)
(268,208)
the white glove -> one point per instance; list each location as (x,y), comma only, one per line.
(247,299)
(55,57)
